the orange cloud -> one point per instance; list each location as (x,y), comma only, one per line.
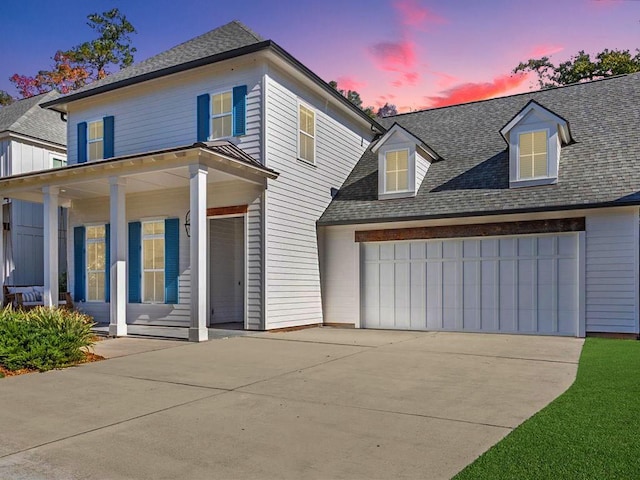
(545,50)
(350,83)
(469,92)
(413,14)
(394,56)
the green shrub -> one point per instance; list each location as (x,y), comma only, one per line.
(43,338)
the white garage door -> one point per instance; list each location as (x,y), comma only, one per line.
(526,284)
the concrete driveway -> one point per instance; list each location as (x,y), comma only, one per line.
(317,403)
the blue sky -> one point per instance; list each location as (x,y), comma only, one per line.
(413,53)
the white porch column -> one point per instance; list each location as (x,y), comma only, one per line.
(118,252)
(50,246)
(198,255)
(2,260)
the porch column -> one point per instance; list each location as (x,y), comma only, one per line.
(198,252)
(2,260)
(118,253)
(50,246)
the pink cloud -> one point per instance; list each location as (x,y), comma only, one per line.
(413,14)
(444,79)
(394,56)
(544,50)
(469,92)
(350,83)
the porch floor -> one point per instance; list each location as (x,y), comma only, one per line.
(178,333)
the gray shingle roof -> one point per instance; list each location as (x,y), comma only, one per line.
(226,38)
(27,118)
(601,167)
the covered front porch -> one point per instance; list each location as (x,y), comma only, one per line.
(143,230)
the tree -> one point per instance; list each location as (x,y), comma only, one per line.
(581,68)
(353,97)
(5,99)
(387,110)
(112,47)
(86,62)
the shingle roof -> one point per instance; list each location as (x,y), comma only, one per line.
(229,37)
(27,118)
(601,167)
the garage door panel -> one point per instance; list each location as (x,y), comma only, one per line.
(504,284)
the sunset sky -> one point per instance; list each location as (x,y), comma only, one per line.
(412,53)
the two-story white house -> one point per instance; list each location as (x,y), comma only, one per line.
(223,182)
(194,182)
(31,139)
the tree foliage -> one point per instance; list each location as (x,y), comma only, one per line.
(86,62)
(5,99)
(387,110)
(353,97)
(581,67)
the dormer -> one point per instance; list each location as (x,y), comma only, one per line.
(535,136)
(403,161)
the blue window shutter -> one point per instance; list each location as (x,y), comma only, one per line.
(204,116)
(135,261)
(107,263)
(239,110)
(108,146)
(171,259)
(82,142)
(79,270)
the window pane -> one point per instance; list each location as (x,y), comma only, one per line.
(526,144)
(147,254)
(221,103)
(158,253)
(95,150)
(403,160)
(159,287)
(540,142)
(158,227)
(221,127)
(306,148)
(392,162)
(306,120)
(402,182)
(391,182)
(540,165)
(95,287)
(97,231)
(95,130)
(526,166)
(149,287)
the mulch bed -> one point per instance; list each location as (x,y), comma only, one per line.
(88,358)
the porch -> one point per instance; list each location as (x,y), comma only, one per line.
(180,190)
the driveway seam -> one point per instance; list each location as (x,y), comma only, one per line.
(526,359)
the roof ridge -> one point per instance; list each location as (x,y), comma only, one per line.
(575,84)
(255,35)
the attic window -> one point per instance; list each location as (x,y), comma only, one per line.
(532,157)
(396,171)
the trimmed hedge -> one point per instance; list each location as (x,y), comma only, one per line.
(43,338)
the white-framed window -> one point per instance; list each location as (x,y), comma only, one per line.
(533,157)
(306,134)
(95,140)
(153,261)
(221,115)
(396,170)
(96,250)
(57,160)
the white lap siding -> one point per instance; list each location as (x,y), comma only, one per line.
(299,196)
(612,271)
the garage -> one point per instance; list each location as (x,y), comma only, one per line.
(518,284)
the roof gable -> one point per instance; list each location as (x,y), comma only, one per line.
(534,112)
(396,132)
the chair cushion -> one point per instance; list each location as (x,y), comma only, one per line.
(39,289)
(31,304)
(20,289)
(30,297)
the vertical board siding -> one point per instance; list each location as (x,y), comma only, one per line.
(298,198)
(612,269)
(525,284)
(163,113)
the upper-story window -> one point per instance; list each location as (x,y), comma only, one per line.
(306,134)
(535,136)
(95,140)
(396,170)
(532,155)
(221,115)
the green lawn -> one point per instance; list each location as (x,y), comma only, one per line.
(591,431)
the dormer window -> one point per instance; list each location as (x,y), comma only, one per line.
(534,137)
(532,155)
(396,171)
(403,161)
